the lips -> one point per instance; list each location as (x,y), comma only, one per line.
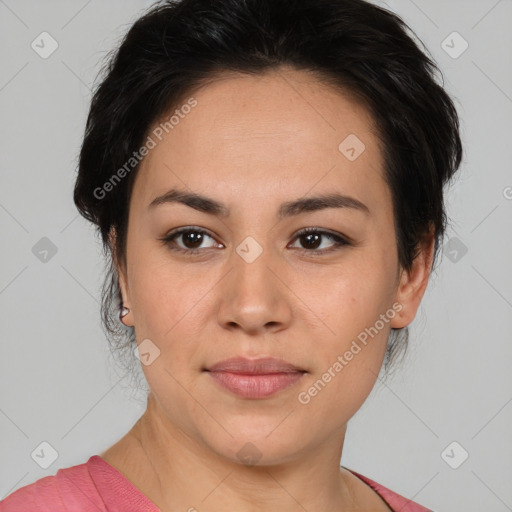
(264,365)
(255,378)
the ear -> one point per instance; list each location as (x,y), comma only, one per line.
(119,265)
(412,284)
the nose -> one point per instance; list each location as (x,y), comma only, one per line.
(254,296)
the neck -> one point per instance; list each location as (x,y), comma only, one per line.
(178,472)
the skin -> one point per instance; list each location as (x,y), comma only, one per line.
(253,143)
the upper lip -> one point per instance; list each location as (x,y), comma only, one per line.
(263,365)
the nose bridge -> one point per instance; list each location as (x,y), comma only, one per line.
(252,296)
(252,276)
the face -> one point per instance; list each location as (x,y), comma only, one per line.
(255,284)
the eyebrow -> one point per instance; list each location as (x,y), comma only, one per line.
(302,205)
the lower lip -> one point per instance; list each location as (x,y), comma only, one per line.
(256,386)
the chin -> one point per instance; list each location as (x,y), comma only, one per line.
(262,442)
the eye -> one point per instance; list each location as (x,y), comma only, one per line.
(312,238)
(191,237)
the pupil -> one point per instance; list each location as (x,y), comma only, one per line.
(316,237)
(189,237)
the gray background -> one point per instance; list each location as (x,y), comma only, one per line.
(59,383)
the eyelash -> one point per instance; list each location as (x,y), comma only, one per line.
(339,241)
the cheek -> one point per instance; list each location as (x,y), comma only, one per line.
(355,305)
(166,306)
(171,308)
(162,293)
(348,298)
(346,366)
(337,396)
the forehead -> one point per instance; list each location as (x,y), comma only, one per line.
(265,135)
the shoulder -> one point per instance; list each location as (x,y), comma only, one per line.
(70,489)
(393,500)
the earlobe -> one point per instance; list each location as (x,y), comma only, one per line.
(413,283)
(125,315)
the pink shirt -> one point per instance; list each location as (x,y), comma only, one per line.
(96,486)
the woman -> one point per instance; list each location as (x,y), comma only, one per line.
(267,177)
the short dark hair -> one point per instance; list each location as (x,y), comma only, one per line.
(178,46)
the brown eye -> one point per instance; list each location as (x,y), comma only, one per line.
(312,238)
(191,240)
